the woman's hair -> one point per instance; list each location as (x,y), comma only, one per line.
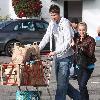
(83,24)
(54,9)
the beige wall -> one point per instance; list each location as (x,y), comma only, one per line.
(91,15)
(45,10)
(4,7)
(47,3)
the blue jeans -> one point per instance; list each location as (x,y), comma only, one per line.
(83,77)
(62,77)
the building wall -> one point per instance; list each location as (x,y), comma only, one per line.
(90,12)
(7,9)
(91,15)
(4,8)
(60,3)
(11,11)
(45,10)
(75,9)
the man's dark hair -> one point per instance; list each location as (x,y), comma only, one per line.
(54,9)
(74,20)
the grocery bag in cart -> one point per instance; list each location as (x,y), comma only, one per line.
(37,74)
(24,53)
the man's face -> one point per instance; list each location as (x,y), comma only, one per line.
(74,25)
(54,16)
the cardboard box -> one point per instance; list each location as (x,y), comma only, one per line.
(32,74)
(9,74)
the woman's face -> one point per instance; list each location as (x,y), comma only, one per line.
(82,30)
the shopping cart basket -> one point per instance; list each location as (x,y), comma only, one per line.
(34,73)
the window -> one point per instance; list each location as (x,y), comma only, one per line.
(45,25)
(18,27)
(31,26)
(10,26)
(41,25)
(27,26)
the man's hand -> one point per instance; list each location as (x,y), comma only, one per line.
(72,43)
(52,54)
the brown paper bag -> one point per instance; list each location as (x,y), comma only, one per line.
(19,54)
(25,53)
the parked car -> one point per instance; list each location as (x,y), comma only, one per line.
(25,31)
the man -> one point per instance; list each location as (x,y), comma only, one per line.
(74,24)
(59,29)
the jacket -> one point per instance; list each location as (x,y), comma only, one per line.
(87,48)
(62,34)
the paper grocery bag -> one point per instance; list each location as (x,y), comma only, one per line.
(18,56)
(25,53)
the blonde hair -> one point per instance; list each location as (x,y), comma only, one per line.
(83,24)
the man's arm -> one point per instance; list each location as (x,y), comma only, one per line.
(45,39)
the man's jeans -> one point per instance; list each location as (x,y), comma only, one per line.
(62,77)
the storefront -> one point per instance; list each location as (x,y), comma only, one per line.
(84,10)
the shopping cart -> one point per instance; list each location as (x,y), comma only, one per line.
(34,73)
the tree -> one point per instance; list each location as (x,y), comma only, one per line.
(27,8)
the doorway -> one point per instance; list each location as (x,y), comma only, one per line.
(66,9)
(73,9)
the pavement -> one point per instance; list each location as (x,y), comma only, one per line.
(9,92)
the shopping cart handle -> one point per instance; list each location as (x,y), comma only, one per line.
(50,59)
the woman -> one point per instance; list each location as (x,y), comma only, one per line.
(85,58)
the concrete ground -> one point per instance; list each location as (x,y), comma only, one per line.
(8,92)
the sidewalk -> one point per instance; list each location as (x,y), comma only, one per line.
(8,92)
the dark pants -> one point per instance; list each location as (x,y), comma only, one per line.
(83,77)
(73,93)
